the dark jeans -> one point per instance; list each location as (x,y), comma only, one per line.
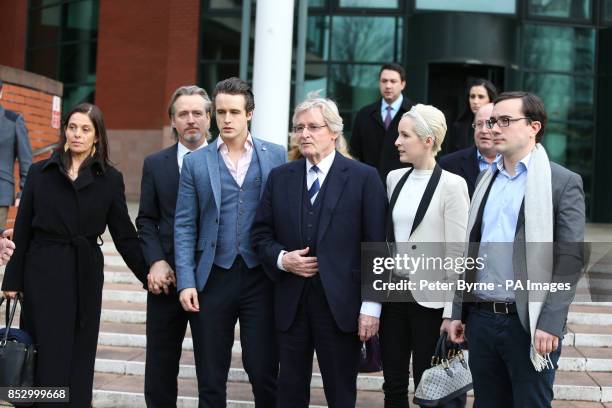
(503,374)
(408,328)
(231,294)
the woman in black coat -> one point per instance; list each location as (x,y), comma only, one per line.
(479,92)
(67,202)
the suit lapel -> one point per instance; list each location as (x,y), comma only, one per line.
(427,196)
(260,149)
(470,166)
(212,161)
(375,114)
(336,178)
(295,179)
(394,195)
(171,170)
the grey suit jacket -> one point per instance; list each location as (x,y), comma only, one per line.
(14,144)
(568,236)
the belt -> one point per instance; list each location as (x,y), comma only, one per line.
(83,246)
(497,307)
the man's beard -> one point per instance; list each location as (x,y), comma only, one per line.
(193,137)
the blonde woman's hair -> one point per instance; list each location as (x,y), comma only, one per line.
(428,121)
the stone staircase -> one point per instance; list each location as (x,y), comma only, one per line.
(584,378)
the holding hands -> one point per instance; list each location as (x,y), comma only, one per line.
(160,278)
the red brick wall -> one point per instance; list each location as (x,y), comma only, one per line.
(13,30)
(32,96)
(145,51)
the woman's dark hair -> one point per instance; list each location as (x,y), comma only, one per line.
(95,115)
(491,92)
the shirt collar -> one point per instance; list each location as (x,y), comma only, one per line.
(520,167)
(395,105)
(182,150)
(248,143)
(481,158)
(324,165)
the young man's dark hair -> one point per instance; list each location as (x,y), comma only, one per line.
(236,86)
(394,66)
(533,108)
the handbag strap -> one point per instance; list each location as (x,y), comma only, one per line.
(9,318)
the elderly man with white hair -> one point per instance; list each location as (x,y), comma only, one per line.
(311,220)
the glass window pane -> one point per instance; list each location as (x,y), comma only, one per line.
(79,63)
(75,94)
(364,39)
(565,97)
(354,86)
(226,4)
(44,27)
(559,48)
(221,38)
(44,61)
(608,10)
(317,38)
(369,3)
(576,9)
(314,3)
(315,79)
(81,22)
(478,6)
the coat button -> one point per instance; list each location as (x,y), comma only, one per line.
(212,244)
(414,247)
(216,220)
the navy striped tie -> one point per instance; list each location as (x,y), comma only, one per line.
(315,187)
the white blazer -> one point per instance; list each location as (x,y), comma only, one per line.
(445,223)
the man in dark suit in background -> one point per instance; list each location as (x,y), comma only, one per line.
(307,233)
(469,162)
(14,144)
(189,113)
(375,127)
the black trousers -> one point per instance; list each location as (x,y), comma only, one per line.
(166,325)
(407,328)
(243,294)
(314,328)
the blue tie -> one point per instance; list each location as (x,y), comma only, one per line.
(315,187)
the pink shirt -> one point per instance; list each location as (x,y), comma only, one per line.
(238,172)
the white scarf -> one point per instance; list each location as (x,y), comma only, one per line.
(539,219)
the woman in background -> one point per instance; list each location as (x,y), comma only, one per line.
(67,203)
(480,92)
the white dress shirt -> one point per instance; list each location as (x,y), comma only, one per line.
(238,171)
(182,150)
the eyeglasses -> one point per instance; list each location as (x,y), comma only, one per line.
(478,125)
(502,122)
(311,128)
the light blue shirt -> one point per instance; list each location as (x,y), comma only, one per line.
(498,229)
(395,106)
(483,164)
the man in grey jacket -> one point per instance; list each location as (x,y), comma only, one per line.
(527,222)
(14,144)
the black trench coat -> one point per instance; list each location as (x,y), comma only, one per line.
(59,267)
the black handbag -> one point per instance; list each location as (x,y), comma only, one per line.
(17,353)
(371,357)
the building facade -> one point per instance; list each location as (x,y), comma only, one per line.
(128,58)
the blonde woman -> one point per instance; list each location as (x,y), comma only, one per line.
(428,205)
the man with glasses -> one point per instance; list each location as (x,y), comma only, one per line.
(469,162)
(189,114)
(313,216)
(219,276)
(375,127)
(527,224)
